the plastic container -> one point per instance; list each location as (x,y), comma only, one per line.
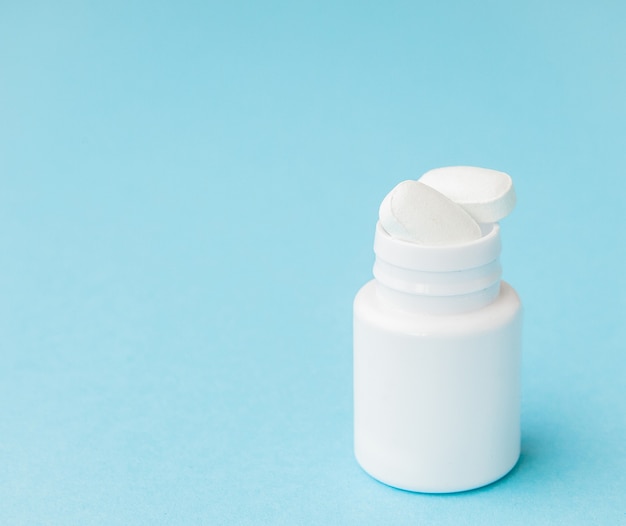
(437,366)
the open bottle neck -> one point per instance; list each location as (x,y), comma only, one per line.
(438,279)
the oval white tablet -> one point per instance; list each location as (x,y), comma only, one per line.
(415,212)
(487,195)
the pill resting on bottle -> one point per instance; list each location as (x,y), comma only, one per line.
(437,337)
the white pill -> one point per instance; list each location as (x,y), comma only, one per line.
(415,212)
(488,195)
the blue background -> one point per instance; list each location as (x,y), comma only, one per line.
(187,206)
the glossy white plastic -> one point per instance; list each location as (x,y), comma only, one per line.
(437,366)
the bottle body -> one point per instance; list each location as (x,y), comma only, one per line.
(436,395)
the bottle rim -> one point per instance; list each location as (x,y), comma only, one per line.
(439,258)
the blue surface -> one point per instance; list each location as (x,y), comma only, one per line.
(187,206)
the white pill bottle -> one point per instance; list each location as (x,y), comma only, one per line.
(437,341)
